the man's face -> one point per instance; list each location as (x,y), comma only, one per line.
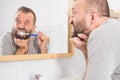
(23,22)
(78,19)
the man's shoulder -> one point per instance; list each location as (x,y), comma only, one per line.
(107,27)
(6,36)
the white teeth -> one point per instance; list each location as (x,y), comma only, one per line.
(21,33)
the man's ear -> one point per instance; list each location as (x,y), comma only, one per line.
(93,15)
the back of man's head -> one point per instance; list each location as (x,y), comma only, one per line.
(100,5)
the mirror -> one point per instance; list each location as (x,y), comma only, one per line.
(114,9)
(52,19)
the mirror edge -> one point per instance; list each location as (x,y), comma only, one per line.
(33,57)
(46,55)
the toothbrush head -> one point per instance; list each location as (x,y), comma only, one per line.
(22,34)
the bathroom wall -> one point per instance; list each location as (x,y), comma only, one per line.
(49,69)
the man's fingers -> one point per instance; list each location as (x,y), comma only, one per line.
(83,36)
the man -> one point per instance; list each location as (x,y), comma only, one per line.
(14,43)
(97,36)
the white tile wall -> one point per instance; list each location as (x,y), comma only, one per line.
(50,69)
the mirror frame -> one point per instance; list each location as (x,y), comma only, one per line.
(46,55)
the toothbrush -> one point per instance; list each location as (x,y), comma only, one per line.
(26,34)
(32,34)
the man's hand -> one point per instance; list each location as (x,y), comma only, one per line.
(42,42)
(80,42)
(22,45)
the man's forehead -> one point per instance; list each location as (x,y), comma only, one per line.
(20,13)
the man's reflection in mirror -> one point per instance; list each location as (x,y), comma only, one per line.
(23,39)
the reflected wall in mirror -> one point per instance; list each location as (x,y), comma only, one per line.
(52,20)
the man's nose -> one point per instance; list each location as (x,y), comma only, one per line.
(21,25)
(71,20)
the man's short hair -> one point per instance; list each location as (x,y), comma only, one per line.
(27,10)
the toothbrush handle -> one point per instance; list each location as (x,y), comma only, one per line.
(31,34)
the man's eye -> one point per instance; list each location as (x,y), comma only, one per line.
(17,21)
(27,23)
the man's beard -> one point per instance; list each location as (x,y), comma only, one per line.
(16,35)
(79,27)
